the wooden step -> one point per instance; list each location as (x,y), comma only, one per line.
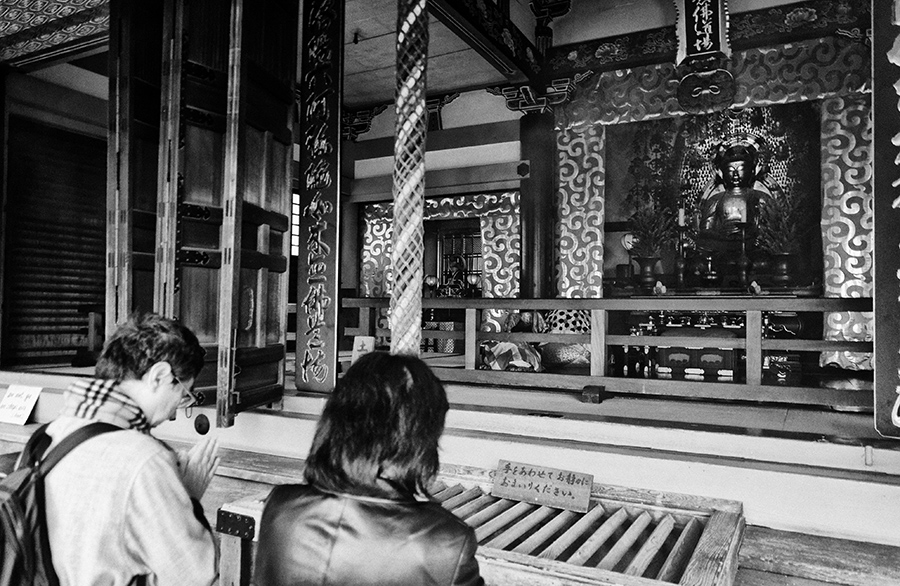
(813,560)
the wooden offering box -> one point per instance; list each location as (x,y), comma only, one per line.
(628,537)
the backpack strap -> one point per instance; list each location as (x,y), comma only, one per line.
(34,448)
(70,442)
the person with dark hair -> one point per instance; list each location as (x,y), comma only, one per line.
(364,515)
(123,508)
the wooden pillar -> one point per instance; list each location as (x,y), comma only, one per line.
(4,70)
(886,29)
(538,193)
(409,176)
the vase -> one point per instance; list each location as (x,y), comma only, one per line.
(783,268)
(646,272)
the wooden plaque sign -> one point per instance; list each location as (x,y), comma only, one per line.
(318,278)
(561,489)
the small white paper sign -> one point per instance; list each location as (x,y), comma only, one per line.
(17,403)
(362,345)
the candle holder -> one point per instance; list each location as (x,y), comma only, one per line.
(680,260)
(430,284)
(473,290)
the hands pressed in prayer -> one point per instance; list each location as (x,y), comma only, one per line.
(198,466)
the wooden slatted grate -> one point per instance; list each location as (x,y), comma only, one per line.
(628,536)
(659,544)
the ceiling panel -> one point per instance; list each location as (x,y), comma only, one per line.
(369,63)
(29,28)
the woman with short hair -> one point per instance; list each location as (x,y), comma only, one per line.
(365,515)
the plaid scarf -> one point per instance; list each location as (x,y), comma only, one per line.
(100,400)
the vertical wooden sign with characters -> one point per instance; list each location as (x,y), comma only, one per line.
(705,83)
(320,139)
(702,29)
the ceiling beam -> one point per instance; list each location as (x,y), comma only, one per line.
(490,32)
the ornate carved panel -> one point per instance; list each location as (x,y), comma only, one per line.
(32,28)
(847,220)
(757,28)
(501,238)
(805,70)
(580,204)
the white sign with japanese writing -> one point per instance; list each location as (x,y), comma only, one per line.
(17,403)
(538,485)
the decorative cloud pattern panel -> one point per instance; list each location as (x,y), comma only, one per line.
(500,235)
(847,221)
(580,206)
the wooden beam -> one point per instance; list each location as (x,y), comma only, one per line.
(443,181)
(710,303)
(438,140)
(473,26)
(662,387)
(57,106)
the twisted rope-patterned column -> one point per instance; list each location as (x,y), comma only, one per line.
(409,176)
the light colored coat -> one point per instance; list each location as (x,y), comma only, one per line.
(117,508)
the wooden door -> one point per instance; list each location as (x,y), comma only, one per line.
(255,231)
(135,51)
(225,172)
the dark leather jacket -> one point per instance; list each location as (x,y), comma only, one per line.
(308,536)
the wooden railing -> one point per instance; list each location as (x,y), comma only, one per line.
(754,345)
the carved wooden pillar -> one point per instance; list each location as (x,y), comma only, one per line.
(537,210)
(886,71)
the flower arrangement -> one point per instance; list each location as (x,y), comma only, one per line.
(782,223)
(653,228)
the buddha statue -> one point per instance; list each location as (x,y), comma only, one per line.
(729,207)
